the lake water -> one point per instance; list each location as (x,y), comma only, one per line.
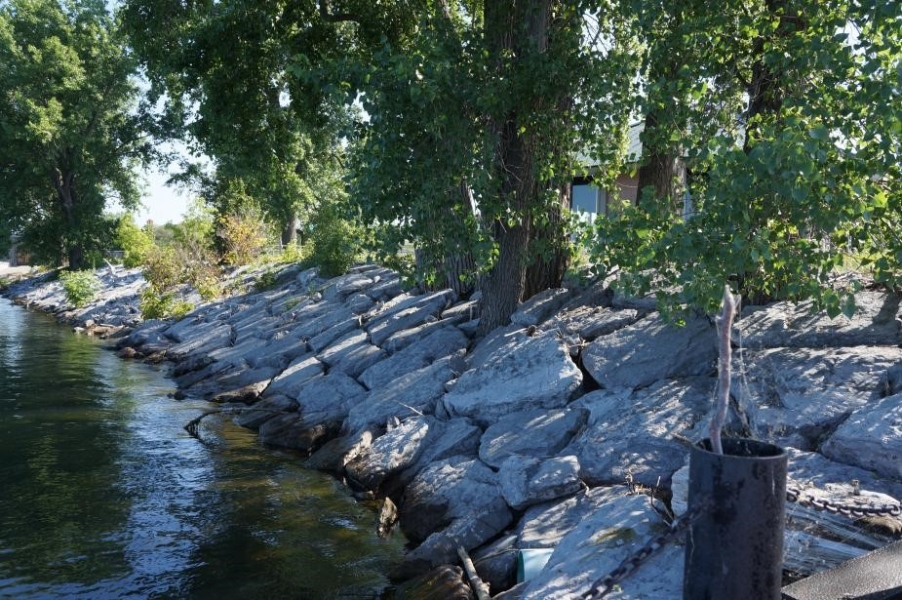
(104,495)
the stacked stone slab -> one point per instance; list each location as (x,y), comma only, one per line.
(551,432)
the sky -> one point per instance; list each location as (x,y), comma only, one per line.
(162,203)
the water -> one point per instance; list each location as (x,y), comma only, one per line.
(104,495)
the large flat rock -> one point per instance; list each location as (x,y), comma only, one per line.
(529,373)
(534,433)
(652,350)
(875,322)
(633,433)
(390,453)
(526,481)
(415,393)
(352,354)
(796,396)
(298,374)
(597,545)
(871,438)
(450,489)
(443,342)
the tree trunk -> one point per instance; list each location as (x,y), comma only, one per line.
(290,231)
(766,88)
(512,27)
(66,194)
(550,265)
(661,168)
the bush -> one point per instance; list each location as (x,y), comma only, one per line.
(162,269)
(136,243)
(155,305)
(80,286)
(243,235)
(334,241)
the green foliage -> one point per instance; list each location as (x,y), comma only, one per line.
(71,135)
(156,305)
(266,281)
(137,243)
(335,241)
(243,235)
(81,287)
(809,176)
(162,269)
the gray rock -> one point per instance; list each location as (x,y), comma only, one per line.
(445,341)
(531,373)
(265,410)
(445,439)
(619,526)
(404,338)
(468,532)
(651,350)
(292,430)
(797,396)
(814,469)
(634,432)
(329,397)
(281,351)
(535,433)
(334,316)
(339,451)
(202,339)
(590,322)
(386,289)
(352,354)
(246,379)
(418,312)
(876,322)
(450,489)
(298,374)
(540,307)
(359,303)
(338,331)
(415,393)
(241,353)
(871,438)
(496,563)
(391,453)
(527,481)
(339,288)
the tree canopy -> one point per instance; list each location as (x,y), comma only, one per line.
(70,134)
(793,136)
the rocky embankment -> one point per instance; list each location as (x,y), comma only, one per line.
(567,430)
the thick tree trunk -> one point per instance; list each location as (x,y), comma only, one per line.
(550,264)
(290,231)
(766,89)
(661,168)
(68,198)
(512,27)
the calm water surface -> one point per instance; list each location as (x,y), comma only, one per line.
(104,495)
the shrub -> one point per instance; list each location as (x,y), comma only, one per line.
(334,241)
(162,269)
(155,305)
(136,243)
(243,235)
(80,286)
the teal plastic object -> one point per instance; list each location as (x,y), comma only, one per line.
(531,561)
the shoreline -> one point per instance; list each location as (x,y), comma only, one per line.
(539,436)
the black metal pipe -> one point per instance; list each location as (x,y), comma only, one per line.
(734,548)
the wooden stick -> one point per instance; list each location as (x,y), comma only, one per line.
(479,586)
(724,325)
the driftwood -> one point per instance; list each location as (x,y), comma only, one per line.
(479,586)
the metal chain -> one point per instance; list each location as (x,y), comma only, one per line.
(631,563)
(795,494)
